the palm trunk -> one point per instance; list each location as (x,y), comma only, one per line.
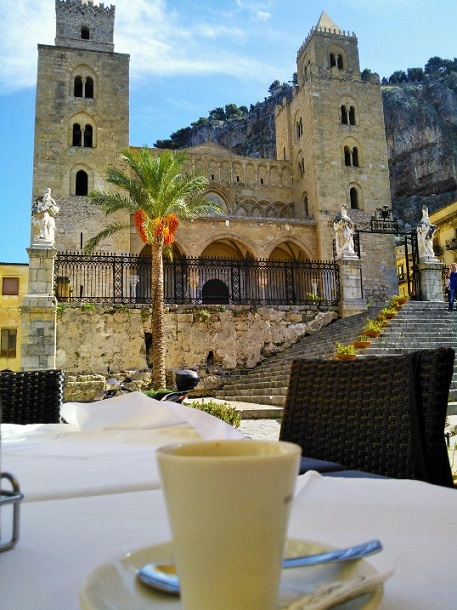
(157,317)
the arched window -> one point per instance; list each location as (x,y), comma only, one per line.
(340,62)
(301,166)
(332,60)
(355,157)
(89,88)
(83,87)
(351,157)
(352,115)
(344,115)
(306,205)
(215,291)
(85,33)
(88,134)
(354,197)
(77,135)
(82,183)
(78,87)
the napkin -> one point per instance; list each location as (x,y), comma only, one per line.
(339,592)
(138,411)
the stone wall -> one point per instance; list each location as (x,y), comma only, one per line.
(213,340)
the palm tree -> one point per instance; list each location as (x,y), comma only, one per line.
(158,194)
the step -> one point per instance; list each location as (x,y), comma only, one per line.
(409,331)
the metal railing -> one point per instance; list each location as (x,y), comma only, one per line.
(104,278)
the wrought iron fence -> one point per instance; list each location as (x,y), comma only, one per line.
(103,278)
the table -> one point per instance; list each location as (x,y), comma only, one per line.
(62,541)
(65,537)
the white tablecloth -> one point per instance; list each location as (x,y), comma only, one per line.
(62,541)
(107,447)
(92,494)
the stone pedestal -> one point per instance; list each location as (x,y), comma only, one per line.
(38,312)
(431,277)
(352,301)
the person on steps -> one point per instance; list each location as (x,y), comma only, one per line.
(452,285)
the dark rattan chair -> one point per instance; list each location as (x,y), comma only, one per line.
(31,397)
(381,415)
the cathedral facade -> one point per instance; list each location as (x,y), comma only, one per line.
(330,142)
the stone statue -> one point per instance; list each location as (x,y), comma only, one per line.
(344,233)
(425,233)
(44,211)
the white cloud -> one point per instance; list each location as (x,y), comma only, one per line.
(263,15)
(160,40)
(23,25)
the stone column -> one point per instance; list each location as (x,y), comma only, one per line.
(431,278)
(38,311)
(352,301)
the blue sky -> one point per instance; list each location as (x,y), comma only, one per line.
(190,56)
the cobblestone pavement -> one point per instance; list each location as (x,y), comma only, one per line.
(261,429)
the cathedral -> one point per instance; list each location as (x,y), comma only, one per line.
(330,152)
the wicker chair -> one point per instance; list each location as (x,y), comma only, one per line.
(31,397)
(381,415)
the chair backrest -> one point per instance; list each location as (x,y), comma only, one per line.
(30,397)
(384,415)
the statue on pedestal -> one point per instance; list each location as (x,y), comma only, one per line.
(344,233)
(425,232)
(44,211)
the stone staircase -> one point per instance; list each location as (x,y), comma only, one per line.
(419,325)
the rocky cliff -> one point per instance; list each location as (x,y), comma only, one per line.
(421,131)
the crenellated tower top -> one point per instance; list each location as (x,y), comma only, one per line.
(85,24)
(328,52)
(325,25)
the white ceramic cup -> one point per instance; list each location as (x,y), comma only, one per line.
(228,503)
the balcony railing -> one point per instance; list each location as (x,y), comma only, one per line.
(104,278)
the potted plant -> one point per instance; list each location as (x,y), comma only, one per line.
(372,328)
(345,352)
(363,341)
(399,299)
(389,312)
(381,318)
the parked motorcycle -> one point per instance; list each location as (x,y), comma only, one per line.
(113,387)
(185,379)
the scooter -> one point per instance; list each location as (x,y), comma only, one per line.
(186,380)
(113,387)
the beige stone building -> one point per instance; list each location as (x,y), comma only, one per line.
(445,238)
(13,281)
(331,150)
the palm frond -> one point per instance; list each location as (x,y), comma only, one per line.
(112,202)
(108,231)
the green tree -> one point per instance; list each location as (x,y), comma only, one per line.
(158,194)
(398,77)
(415,74)
(178,139)
(217,114)
(274,85)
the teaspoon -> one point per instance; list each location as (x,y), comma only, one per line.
(164,578)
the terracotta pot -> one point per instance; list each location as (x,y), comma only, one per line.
(372,333)
(346,356)
(389,316)
(362,344)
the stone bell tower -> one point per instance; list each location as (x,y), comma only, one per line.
(81,119)
(332,131)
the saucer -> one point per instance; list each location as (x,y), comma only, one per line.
(115,586)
